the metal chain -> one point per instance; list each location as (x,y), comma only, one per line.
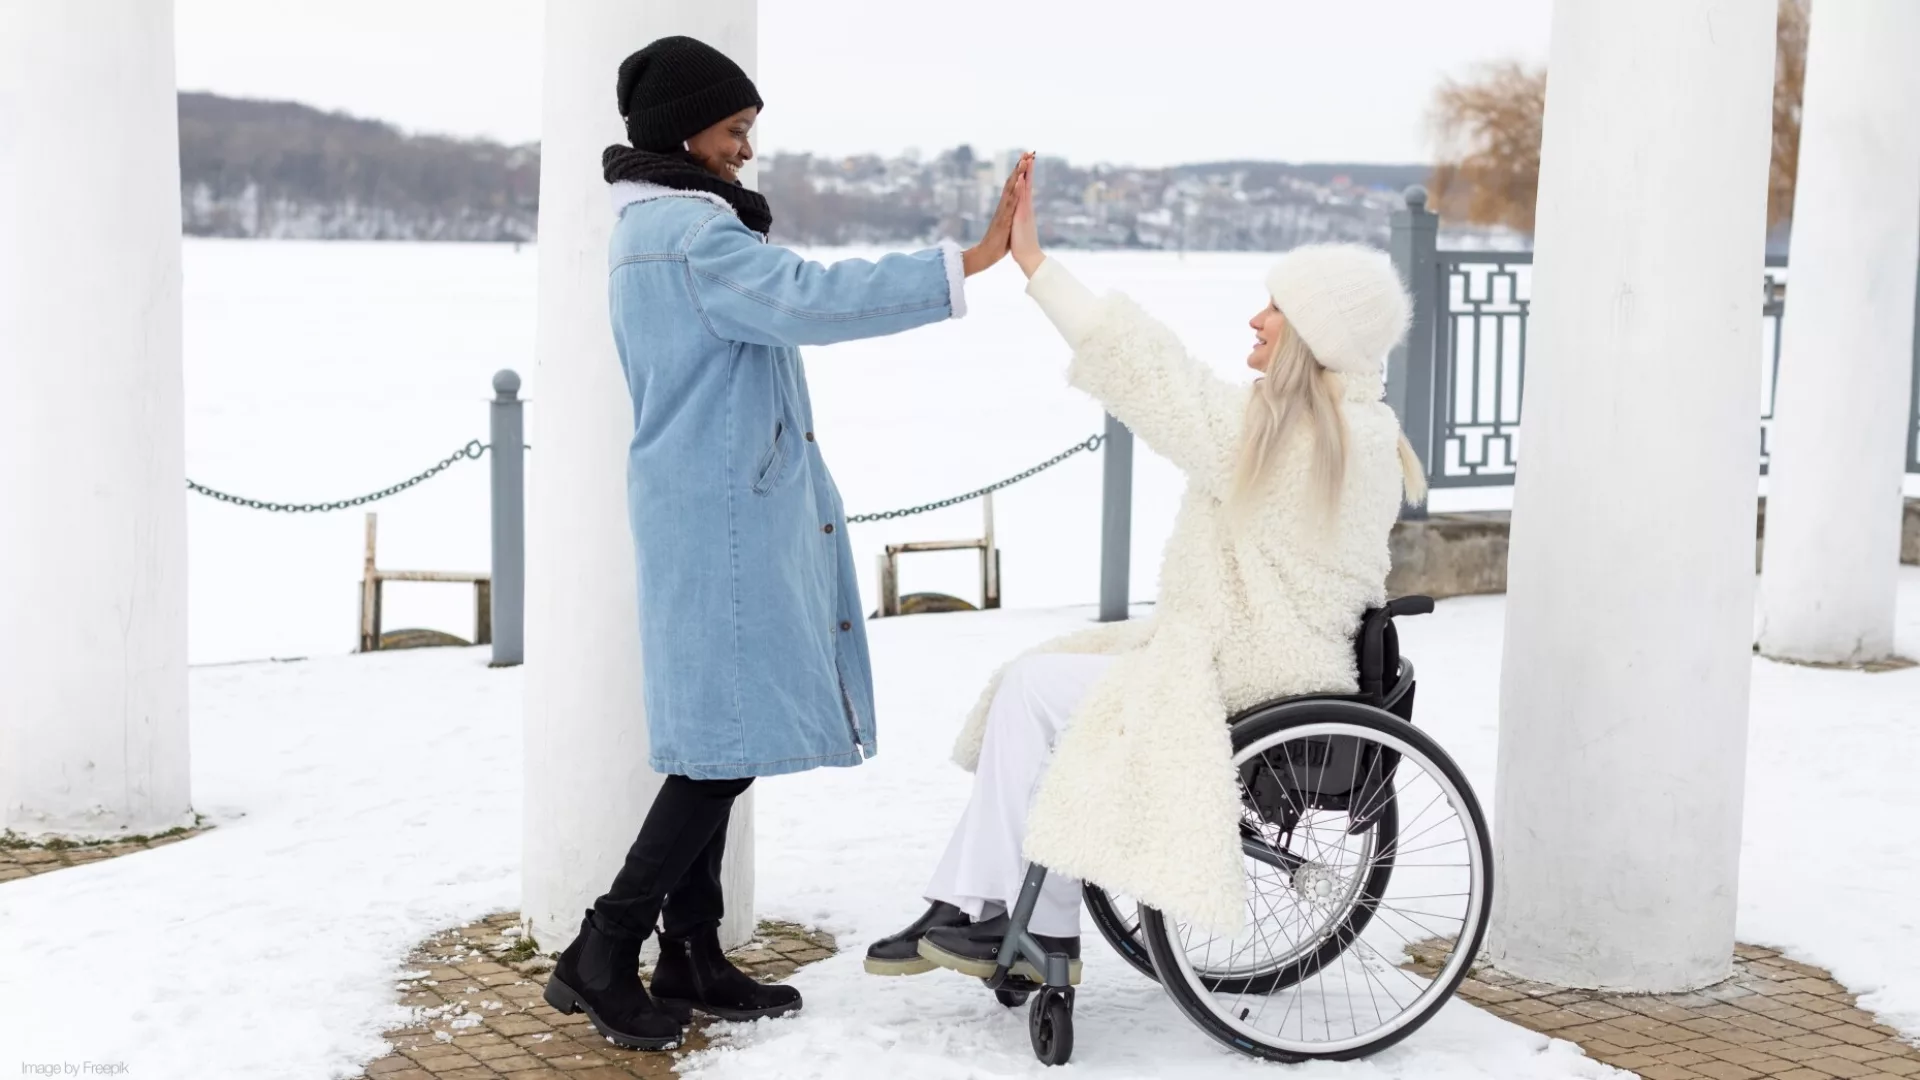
(471,451)
(475,448)
(1092,443)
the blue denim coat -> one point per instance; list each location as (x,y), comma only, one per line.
(751,628)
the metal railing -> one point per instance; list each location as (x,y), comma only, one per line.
(1457,381)
(500,593)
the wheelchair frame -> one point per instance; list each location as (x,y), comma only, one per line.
(1050,1023)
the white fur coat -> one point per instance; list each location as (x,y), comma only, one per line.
(1141,796)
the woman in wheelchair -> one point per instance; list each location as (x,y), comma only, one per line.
(1105,754)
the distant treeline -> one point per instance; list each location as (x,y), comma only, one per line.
(282,170)
(275,169)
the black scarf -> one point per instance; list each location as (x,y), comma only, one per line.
(680,171)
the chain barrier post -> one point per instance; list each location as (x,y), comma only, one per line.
(1116,521)
(1410,367)
(508,588)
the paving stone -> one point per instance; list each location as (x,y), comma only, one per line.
(1857,1053)
(1668,1072)
(1800,1054)
(1840,1067)
(1803,1074)
(1725,1071)
(1558,1019)
(1849,1033)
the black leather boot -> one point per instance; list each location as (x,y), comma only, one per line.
(600,974)
(693,973)
(900,954)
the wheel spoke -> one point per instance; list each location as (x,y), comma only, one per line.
(1321,910)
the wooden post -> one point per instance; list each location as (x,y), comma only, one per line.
(989,561)
(370,593)
(483,613)
(889,583)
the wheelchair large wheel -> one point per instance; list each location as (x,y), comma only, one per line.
(1118,918)
(1368,889)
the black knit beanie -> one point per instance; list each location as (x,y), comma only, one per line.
(676,88)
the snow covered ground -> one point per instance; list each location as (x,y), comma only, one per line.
(364,802)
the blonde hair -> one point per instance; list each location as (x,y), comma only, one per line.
(1297,390)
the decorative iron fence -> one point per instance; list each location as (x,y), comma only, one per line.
(1456,383)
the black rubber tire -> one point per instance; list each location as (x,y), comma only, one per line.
(1114,927)
(1012,999)
(1050,1026)
(1154,927)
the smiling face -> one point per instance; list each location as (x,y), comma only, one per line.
(1267,325)
(723,148)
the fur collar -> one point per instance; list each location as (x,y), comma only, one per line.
(625,193)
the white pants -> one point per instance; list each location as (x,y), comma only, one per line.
(983,869)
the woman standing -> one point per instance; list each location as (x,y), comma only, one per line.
(751,631)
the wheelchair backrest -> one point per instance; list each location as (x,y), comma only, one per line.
(1377,645)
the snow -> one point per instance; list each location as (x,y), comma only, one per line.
(359,804)
(320,370)
(363,803)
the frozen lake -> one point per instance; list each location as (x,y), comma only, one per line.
(317,371)
(322,370)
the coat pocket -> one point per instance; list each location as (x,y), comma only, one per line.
(773,462)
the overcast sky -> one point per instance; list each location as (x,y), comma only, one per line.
(1122,81)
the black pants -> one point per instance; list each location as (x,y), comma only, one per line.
(672,873)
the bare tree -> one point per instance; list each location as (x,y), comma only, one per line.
(1789,75)
(1486,130)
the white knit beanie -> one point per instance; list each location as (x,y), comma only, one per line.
(1344,300)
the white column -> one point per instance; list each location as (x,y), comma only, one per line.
(588,786)
(93,567)
(1630,581)
(1846,365)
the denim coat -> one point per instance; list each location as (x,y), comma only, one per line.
(752,635)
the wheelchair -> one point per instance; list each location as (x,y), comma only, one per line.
(1369,882)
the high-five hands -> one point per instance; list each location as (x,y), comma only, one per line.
(1025,238)
(997,240)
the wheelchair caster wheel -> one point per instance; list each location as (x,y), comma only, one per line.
(1050,1025)
(1012,999)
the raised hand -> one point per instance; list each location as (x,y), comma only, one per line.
(996,242)
(1024,240)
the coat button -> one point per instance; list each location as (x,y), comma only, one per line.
(828,527)
(846,626)
(809,436)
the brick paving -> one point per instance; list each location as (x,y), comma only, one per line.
(22,858)
(1775,1019)
(475,992)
